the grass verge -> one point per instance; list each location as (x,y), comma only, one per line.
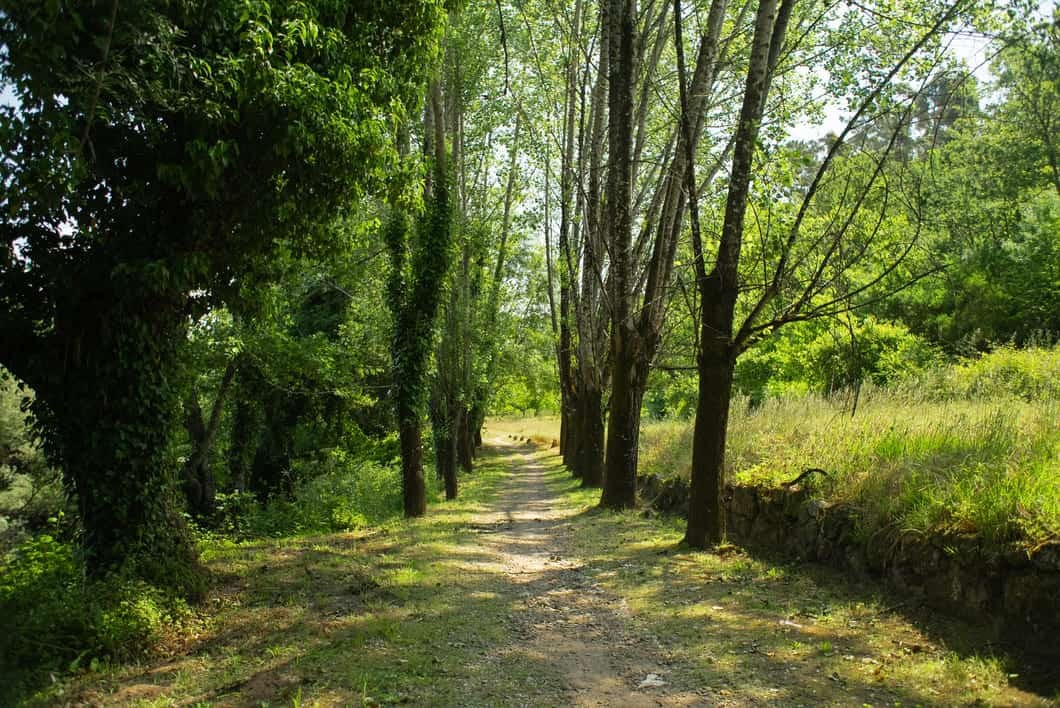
(756,630)
(387,615)
(972,448)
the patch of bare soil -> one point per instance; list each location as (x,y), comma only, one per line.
(564,620)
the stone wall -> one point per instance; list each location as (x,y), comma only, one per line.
(1016,590)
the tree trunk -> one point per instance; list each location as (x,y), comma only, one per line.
(591,455)
(111,419)
(623,427)
(414,294)
(620,484)
(197,474)
(413,489)
(706,516)
(246,427)
(444,423)
(465,451)
(720,289)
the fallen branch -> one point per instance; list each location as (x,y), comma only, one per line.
(804,475)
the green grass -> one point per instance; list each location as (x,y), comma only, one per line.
(988,467)
(971,448)
(755,631)
(418,612)
(389,614)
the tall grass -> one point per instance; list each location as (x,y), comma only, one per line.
(973,447)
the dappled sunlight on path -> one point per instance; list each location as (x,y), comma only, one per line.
(561,616)
(521,593)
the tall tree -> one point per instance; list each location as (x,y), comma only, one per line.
(643,294)
(159,151)
(826,252)
(419,260)
(618,196)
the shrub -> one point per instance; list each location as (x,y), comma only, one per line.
(53,620)
(1031,374)
(336,492)
(823,357)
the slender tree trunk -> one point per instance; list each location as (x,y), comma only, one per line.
(706,516)
(413,488)
(564,430)
(720,288)
(591,467)
(620,482)
(623,431)
(476,419)
(445,424)
(197,474)
(465,450)
(564,347)
(414,292)
(591,317)
(246,425)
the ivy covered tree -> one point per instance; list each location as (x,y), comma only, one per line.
(418,245)
(159,152)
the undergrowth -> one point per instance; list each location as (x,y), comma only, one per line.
(337,493)
(972,447)
(54,621)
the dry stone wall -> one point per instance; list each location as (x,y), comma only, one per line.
(1015,589)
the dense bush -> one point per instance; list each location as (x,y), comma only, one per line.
(52,620)
(335,492)
(826,357)
(1032,374)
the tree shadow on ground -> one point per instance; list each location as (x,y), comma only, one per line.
(816,632)
(438,611)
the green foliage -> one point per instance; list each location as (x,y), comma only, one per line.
(52,620)
(419,252)
(335,492)
(1032,374)
(671,395)
(162,154)
(30,491)
(826,357)
(994,205)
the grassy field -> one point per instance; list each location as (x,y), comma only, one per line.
(420,613)
(973,448)
(385,615)
(541,429)
(767,633)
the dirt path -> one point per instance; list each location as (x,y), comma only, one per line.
(564,619)
(516,595)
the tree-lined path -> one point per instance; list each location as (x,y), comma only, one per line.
(522,595)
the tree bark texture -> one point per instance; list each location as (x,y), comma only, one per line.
(591,417)
(620,488)
(111,405)
(720,289)
(413,488)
